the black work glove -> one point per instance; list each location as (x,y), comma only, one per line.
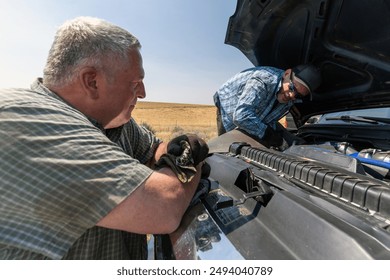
(199,148)
(273,138)
(184,153)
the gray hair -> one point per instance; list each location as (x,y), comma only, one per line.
(86,41)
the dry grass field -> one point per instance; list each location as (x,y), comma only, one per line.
(168,120)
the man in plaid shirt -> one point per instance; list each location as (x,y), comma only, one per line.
(255,99)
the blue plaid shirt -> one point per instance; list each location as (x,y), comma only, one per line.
(249,100)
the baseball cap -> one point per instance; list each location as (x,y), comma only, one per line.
(307,75)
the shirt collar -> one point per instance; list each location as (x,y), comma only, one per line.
(38,86)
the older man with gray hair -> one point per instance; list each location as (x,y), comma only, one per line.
(80,179)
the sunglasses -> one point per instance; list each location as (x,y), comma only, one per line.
(293,89)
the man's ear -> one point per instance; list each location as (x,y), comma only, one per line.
(88,80)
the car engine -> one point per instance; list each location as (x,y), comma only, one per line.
(307,202)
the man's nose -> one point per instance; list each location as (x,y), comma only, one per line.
(141,91)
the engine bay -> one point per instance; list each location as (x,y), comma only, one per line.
(308,202)
(371,162)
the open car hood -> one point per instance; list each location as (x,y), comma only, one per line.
(348,39)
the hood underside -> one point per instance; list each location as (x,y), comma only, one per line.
(349,40)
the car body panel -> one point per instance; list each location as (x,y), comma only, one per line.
(318,210)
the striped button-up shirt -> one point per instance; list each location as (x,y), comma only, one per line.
(60,173)
(249,100)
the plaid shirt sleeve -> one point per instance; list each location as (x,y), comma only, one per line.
(139,140)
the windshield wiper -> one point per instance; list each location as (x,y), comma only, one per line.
(347,118)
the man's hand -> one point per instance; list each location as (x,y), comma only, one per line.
(184,153)
(199,148)
(273,138)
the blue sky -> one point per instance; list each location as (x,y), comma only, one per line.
(185,58)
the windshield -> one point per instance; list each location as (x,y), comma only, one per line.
(361,116)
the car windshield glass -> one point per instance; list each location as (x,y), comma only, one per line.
(369,116)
